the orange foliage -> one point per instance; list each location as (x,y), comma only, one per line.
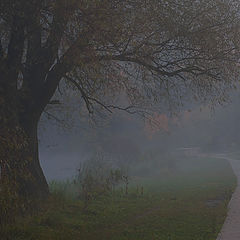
(156,123)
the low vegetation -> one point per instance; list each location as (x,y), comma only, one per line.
(187,203)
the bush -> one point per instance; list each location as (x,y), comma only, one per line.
(96,177)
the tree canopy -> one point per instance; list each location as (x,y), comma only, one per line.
(150,50)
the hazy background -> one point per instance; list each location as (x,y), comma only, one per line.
(127,138)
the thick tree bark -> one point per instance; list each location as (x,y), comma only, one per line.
(23,185)
(34,166)
(20,163)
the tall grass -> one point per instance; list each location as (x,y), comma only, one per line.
(66,190)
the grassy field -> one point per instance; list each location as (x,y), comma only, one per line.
(187,203)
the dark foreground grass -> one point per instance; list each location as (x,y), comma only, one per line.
(189,203)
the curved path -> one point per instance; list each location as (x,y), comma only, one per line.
(231,226)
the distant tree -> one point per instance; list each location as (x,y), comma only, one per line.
(147,50)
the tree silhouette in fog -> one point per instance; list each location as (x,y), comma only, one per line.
(147,50)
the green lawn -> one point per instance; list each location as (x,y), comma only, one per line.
(188,203)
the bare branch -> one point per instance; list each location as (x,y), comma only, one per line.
(52,116)
(84,96)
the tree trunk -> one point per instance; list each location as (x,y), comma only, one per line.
(21,162)
(23,184)
(37,188)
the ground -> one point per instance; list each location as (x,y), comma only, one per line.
(189,202)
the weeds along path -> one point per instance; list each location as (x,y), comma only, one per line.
(231,226)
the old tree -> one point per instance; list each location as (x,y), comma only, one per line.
(149,50)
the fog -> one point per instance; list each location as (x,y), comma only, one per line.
(126,138)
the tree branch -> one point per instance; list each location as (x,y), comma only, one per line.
(33,33)
(1,50)
(15,50)
(60,20)
(148,66)
(88,100)
(84,96)
(52,81)
(50,115)
(33,72)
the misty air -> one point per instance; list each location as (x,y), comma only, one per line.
(119,120)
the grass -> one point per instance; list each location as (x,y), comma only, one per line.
(189,203)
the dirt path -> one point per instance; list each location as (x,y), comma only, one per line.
(231,226)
